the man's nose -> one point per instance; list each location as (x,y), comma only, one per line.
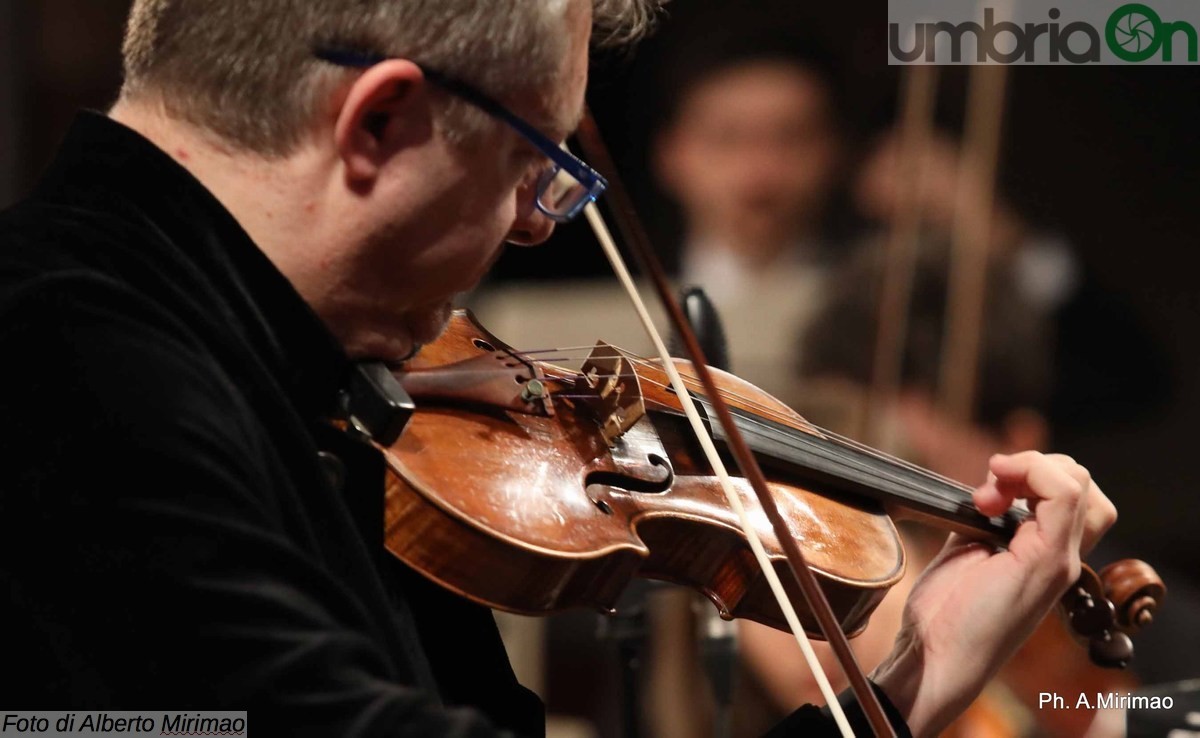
(531,226)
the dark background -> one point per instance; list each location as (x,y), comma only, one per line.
(1107,156)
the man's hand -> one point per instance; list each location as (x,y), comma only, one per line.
(974,606)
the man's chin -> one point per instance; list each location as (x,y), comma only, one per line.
(395,346)
(425,326)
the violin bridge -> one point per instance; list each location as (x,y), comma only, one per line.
(608,386)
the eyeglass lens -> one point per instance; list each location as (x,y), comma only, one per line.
(560,192)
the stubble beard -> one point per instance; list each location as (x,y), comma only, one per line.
(427,323)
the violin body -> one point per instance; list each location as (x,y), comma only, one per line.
(534,510)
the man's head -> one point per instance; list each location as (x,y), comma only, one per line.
(379,193)
(244,69)
(751,148)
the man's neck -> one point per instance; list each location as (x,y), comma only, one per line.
(275,200)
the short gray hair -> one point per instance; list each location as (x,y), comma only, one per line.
(244,69)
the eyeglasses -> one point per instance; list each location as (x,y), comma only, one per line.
(563,190)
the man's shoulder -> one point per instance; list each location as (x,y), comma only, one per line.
(109,319)
(74,263)
(83,341)
(99,340)
(49,293)
(110,383)
(50,249)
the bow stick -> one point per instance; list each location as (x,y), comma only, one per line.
(971,242)
(802,578)
(900,251)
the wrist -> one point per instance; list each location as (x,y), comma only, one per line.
(857,716)
(907,677)
(899,676)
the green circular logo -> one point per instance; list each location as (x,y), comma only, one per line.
(1132,32)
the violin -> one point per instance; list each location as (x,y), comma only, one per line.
(531,487)
(567,484)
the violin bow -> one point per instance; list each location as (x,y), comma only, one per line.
(900,251)
(802,578)
(970,249)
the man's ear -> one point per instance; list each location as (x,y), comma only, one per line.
(386,109)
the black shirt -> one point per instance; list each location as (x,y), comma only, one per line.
(170,536)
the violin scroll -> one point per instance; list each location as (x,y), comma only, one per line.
(1136,590)
(1104,609)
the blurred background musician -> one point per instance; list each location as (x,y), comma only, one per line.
(753,150)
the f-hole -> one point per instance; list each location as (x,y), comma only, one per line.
(631,483)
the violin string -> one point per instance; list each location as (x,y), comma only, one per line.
(841,440)
(693,383)
(941,481)
(492,370)
(769,413)
(942,485)
(853,453)
(850,463)
(689,379)
(853,462)
(850,458)
(779,416)
(747,402)
(765,410)
(561,349)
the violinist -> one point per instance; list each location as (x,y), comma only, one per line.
(283,189)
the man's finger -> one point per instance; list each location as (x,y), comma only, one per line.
(1058,484)
(1101,515)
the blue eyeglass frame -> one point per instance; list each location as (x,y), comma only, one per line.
(593,183)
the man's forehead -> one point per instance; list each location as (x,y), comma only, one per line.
(556,111)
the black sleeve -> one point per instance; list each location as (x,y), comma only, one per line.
(814,721)
(143,564)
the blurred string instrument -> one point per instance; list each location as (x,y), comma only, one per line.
(532,487)
(1048,656)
